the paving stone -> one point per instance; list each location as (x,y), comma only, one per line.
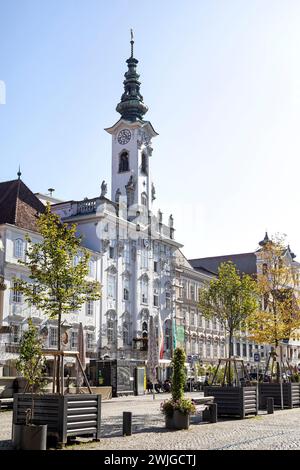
(280,430)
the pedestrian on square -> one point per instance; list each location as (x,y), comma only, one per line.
(206,380)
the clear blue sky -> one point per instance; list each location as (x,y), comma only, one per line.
(222,82)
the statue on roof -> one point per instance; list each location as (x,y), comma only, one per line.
(103,189)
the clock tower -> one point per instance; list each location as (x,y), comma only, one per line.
(131,145)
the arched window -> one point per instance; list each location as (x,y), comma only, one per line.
(145,329)
(111,286)
(126,289)
(126,334)
(123,162)
(18,248)
(111,323)
(144,199)
(144,167)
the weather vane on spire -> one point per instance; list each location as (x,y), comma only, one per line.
(131,41)
(19,174)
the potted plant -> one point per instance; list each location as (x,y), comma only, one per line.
(31,436)
(177,410)
(230,298)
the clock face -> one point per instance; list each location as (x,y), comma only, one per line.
(124,136)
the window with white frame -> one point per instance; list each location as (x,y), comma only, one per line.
(192,319)
(19,248)
(144,199)
(74,340)
(144,258)
(184,289)
(111,252)
(92,268)
(126,336)
(222,350)
(155,297)
(90,307)
(90,341)
(15,334)
(126,289)
(111,331)
(17,296)
(201,347)
(145,329)
(192,291)
(127,253)
(111,286)
(168,299)
(215,349)
(208,348)
(53,337)
(144,290)
(193,345)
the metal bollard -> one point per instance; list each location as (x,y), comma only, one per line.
(270,405)
(214,413)
(127,423)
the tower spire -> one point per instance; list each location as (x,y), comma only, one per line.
(131,42)
(131,106)
(19,174)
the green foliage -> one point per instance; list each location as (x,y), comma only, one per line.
(179,375)
(230,298)
(178,402)
(167,408)
(58,285)
(295,377)
(211,369)
(31,364)
(184,405)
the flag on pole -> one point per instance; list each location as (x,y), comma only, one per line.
(152,359)
(174,335)
(160,338)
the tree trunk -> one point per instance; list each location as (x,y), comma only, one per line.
(59,349)
(229,362)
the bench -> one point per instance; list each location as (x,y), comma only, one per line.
(6,403)
(206,406)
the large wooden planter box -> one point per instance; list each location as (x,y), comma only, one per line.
(234,401)
(65,415)
(291,394)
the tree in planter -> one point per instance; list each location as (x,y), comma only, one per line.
(278,319)
(230,298)
(178,402)
(31,364)
(58,284)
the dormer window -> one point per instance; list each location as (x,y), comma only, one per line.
(123,162)
(144,167)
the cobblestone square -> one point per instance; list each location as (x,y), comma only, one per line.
(264,432)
